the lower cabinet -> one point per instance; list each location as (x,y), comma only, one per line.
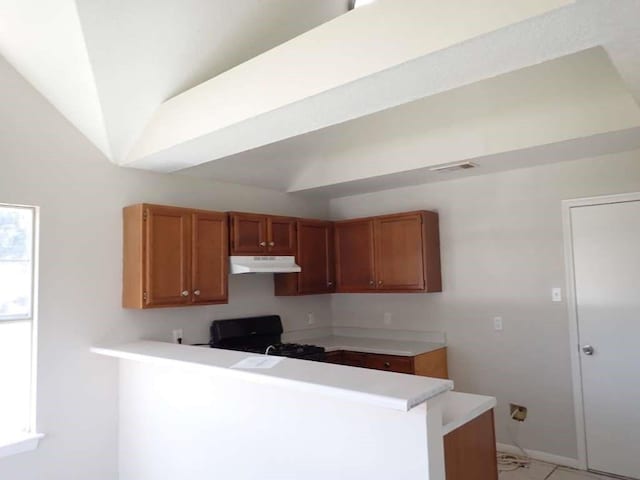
(430,364)
(470,450)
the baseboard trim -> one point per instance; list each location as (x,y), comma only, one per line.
(541,456)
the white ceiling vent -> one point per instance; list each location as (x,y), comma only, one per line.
(453,167)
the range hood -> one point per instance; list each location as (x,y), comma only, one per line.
(281,264)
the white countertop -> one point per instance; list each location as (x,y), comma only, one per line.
(384,389)
(373,345)
(460,408)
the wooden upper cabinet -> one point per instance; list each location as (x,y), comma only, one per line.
(255,234)
(391,253)
(315,256)
(281,235)
(248,234)
(168,253)
(210,264)
(399,254)
(354,244)
(173,257)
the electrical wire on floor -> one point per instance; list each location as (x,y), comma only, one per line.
(508,462)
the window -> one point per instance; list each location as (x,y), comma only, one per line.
(17,273)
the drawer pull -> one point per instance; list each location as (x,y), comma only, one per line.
(387,365)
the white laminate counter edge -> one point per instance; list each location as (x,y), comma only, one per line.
(383,389)
(460,408)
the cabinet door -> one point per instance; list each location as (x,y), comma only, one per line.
(354,359)
(210,259)
(315,257)
(354,256)
(167,259)
(399,252)
(281,236)
(470,450)
(248,234)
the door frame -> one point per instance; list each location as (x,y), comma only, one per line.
(572,307)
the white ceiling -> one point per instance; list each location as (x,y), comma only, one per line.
(392,108)
(108,65)
(559,110)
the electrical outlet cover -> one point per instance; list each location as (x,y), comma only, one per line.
(497,323)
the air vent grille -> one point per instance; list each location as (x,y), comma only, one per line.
(453,167)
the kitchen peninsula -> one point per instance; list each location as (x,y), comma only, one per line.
(203,414)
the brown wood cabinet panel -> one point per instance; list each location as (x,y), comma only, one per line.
(256,234)
(335,357)
(168,254)
(431,251)
(168,251)
(281,235)
(354,241)
(315,257)
(470,450)
(210,263)
(389,254)
(248,234)
(354,359)
(399,255)
(391,363)
(432,364)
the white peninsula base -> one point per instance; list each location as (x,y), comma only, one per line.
(185,414)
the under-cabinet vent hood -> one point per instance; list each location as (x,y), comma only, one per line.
(260,264)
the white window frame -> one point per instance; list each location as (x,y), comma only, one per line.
(12,443)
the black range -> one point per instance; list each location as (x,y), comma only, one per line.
(259,335)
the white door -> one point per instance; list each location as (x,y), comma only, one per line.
(606,249)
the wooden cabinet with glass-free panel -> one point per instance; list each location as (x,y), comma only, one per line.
(428,364)
(314,254)
(390,253)
(258,234)
(174,256)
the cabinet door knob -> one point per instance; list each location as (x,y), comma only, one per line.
(272,244)
(387,365)
(185,293)
(329,283)
(379,282)
(371,282)
(196,293)
(263,244)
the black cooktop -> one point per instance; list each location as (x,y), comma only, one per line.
(259,335)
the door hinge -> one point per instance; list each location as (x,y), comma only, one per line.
(144,216)
(145,296)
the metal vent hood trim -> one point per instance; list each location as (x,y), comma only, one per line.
(263,264)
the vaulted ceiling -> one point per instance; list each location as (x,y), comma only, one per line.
(304,96)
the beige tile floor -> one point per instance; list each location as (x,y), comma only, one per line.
(547,471)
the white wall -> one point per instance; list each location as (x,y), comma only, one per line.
(187,423)
(46,162)
(502,253)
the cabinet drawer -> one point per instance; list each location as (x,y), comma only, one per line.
(354,359)
(391,363)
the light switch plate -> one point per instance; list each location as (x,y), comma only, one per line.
(556,294)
